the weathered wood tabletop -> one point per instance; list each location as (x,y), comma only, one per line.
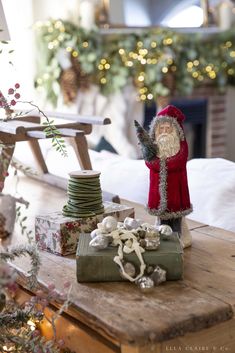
(195,312)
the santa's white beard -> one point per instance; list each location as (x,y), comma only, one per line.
(168,145)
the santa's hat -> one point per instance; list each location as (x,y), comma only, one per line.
(169,114)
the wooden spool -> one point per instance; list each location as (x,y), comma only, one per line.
(84,174)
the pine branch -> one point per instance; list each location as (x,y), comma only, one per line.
(149,150)
(20,250)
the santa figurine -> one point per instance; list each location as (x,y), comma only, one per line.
(165,151)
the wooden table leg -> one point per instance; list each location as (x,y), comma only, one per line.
(5,160)
(80,146)
(36,150)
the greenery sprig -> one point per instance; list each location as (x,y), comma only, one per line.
(157,61)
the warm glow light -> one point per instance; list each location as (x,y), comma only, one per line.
(140,44)
(31,325)
(165,69)
(103,61)
(153,44)
(107,66)
(121,51)
(232,54)
(75,54)
(58,24)
(69,49)
(228,44)
(196,62)
(103,80)
(190,64)
(141,78)
(208,68)
(150,96)
(231,71)
(85,44)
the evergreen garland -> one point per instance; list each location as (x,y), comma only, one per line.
(157,61)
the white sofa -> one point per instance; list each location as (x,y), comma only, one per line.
(211,182)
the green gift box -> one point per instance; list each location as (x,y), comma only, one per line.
(98,265)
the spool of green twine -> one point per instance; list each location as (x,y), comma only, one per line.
(85,195)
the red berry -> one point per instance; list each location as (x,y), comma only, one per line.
(13,102)
(17,85)
(17,96)
(11,91)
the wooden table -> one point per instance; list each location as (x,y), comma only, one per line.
(193,315)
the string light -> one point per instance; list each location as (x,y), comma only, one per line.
(169,61)
(153,44)
(31,324)
(143,52)
(212,75)
(190,64)
(60,37)
(100,67)
(50,29)
(69,49)
(167,41)
(232,54)
(46,76)
(103,80)
(165,69)
(141,78)
(139,44)
(143,61)
(208,68)
(107,66)
(58,24)
(103,61)
(75,54)
(143,97)
(150,96)
(85,44)
(50,46)
(173,68)
(228,44)
(121,51)
(39,81)
(231,71)
(195,74)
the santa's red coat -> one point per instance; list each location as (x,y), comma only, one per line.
(168,192)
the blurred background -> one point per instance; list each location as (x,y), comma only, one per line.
(127,59)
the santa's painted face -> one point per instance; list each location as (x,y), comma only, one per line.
(167,140)
(164,128)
